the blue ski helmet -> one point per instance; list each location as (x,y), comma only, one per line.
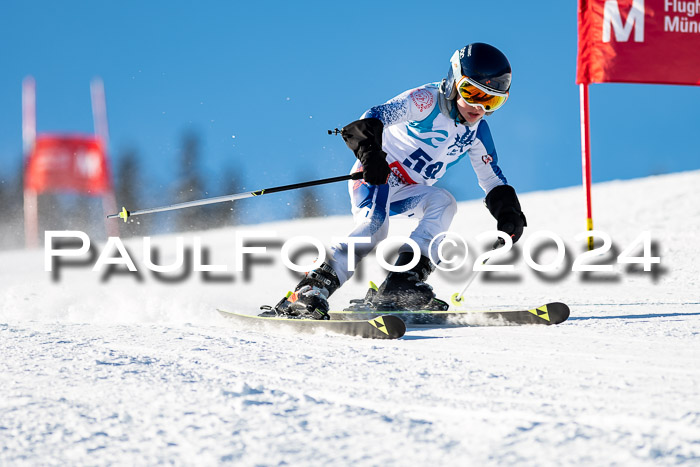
(482,63)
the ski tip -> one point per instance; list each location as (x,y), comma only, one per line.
(373,286)
(559,312)
(389,326)
(552,313)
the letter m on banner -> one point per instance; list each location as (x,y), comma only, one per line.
(612,20)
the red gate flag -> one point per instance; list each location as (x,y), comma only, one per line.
(639,41)
(68,163)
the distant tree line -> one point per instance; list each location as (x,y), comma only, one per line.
(77,212)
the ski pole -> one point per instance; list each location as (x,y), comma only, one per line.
(458,297)
(125,214)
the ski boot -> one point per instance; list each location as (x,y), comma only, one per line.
(310,297)
(364,304)
(402,291)
(406,291)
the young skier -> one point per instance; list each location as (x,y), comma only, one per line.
(403,147)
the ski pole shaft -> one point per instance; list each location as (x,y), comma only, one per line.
(124,214)
(458,297)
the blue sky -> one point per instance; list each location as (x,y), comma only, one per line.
(261,82)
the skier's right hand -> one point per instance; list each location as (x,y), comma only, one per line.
(375,170)
(364,137)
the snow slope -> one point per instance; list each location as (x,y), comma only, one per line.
(139,371)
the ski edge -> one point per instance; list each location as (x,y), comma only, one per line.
(380,326)
(549,314)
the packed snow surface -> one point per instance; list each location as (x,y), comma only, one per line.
(102,368)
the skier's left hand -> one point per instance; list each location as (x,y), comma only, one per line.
(504,206)
(512,223)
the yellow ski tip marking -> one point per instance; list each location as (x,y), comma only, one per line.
(457,299)
(541,312)
(373,286)
(379,324)
(124,214)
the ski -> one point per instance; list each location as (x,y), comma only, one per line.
(551,313)
(378,326)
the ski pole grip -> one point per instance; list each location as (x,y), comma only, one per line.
(356,176)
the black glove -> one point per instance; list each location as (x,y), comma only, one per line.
(505,208)
(364,137)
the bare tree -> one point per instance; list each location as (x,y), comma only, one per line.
(11,211)
(128,190)
(227,214)
(189,184)
(310,206)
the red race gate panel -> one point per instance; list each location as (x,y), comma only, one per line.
(68,164)
(639,41)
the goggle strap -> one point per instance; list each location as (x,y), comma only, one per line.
(456,66)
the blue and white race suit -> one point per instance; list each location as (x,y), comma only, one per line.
(421,143)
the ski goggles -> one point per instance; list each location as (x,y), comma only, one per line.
(476,94)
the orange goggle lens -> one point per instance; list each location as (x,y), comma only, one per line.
(477,96)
